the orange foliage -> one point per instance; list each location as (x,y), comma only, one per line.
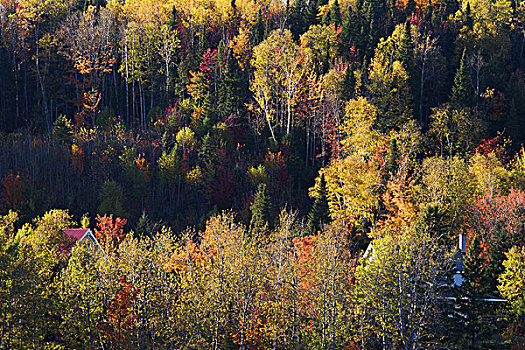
(399,200)
(305,248)
(120,314)
(109,231)
(140,162)
(420,4)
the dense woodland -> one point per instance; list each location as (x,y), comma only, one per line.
(235,158)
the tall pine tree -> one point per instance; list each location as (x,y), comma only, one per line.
(320,214)
(474,331)
(261,211)
(462,92)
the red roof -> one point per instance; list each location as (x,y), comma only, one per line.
(75,234)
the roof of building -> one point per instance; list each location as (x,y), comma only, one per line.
(75,235)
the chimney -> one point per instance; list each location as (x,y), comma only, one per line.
(462,243)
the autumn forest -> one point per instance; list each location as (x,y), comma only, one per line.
(262,174)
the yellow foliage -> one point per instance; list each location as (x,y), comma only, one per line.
(489,172)
(195,176)
(352,189)
(241,48)
(361,137)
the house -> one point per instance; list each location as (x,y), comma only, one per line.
(77,236)
(460,266)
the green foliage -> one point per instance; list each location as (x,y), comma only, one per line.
(462,92)
(63,130)
(319,214)
(111,199)
(261,211)
(474,331)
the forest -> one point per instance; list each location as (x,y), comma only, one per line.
(262,174)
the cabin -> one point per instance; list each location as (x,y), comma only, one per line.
(77,236)
(459,267)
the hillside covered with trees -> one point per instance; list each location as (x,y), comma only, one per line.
(235,159)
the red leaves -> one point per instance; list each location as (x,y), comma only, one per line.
(208,62)
(109,231)
(496,215)
(496,145)
(120,316)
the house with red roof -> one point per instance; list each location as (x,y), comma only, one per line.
(77,236)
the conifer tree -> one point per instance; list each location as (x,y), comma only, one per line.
(310,15)
(462,92)
(320,214)
(469,22)
(347,92)
(405,53)
(350,32)
(259,29)
(410,8)
(335,13)
(111,198)
(475,333)
(434,221)
(261,211)
(393,157)
(208,149)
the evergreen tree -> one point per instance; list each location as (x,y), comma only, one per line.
(393,157)
(232,90)
(208,149)
(295,15)
(374,13)
(433,219)
(63,131)
(335,13)
(462,92)
(310,15)
(111,199)
(320,214)
(474,331)
(405,51)
(410,8)
(350,32)
(259,29)
(496,255)
(469,22)
(347,91)
(261,211)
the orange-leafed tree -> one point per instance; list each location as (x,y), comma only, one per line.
(110,231)
(120,315)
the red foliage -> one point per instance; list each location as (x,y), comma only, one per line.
(120,316)
(497,215)
(308,284)
(353,346)
(208,63)
(13,194)
(496,145)
(110,231)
